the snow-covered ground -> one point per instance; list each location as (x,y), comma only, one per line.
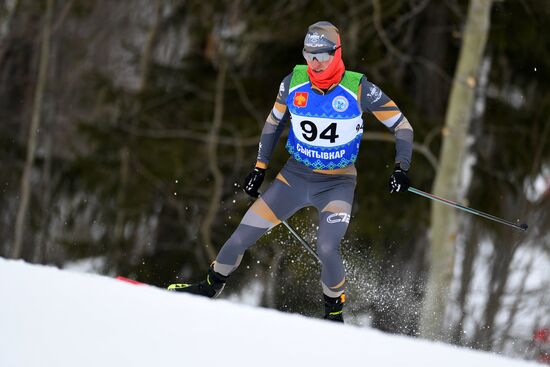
(50,317)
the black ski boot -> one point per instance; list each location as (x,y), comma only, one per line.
(211,287)
(334,308)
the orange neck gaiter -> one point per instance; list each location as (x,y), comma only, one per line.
(331,75)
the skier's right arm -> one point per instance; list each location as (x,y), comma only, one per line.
(274,126)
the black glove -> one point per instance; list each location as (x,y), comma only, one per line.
(253,181)
(399,181)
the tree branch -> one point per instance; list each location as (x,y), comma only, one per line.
(422,149)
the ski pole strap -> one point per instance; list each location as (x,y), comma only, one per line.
(522,227)
(301,240)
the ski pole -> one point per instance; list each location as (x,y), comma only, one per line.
(522,227)
(301,240)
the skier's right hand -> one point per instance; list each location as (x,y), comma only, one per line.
(253,181)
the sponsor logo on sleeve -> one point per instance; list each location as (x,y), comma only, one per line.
(281,88)
(374,93)
(259,151)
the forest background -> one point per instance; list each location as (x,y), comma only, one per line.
(128,127)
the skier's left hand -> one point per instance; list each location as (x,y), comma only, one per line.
(399,181)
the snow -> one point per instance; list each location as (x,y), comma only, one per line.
(52,317)
(535,188)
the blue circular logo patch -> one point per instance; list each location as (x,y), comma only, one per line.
(340,103)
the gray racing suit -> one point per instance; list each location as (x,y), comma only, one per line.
(300,184)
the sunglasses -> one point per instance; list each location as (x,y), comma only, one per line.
(320,57)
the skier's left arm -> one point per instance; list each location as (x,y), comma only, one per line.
(375,101)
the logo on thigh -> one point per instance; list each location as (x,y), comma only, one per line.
(339,218)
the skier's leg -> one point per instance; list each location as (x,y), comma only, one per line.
(282,199)
(333,223)
(334,205)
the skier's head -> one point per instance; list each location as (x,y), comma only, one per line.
(321,45)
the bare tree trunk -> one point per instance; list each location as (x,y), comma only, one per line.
(516,305)
(206,227)
(444,224)
(271,281)
(33,134)
(5,24)
(431,92)
(486,336)
(39,253)
(145,62)
(125,153)
(500,274)
(48,179)
(470,249)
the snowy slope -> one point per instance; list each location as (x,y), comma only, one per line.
(50,317)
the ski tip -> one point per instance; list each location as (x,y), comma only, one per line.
(177,286)
(128,280)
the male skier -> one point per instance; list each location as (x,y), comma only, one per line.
(324,104)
